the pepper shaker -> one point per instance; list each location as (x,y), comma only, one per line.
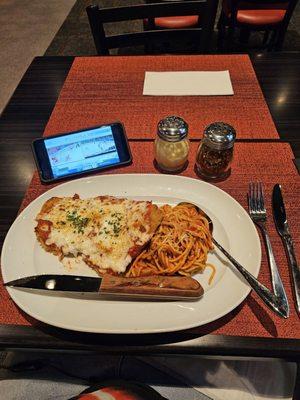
(172,145)
(215,152)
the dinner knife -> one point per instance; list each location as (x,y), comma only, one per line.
(145,287)
(283,230)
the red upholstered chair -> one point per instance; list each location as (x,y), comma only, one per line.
(270,16)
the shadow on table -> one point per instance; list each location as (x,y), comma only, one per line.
(143,343)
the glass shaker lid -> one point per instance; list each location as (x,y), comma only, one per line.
(220,135)
(172,129)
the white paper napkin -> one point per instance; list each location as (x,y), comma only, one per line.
(187,83)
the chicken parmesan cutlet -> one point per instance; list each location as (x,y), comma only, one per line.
(107,233)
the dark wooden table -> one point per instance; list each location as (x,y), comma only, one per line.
(24,119)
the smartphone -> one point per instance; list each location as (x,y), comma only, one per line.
(79,152)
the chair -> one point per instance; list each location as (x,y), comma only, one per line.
(270,16)
(200,34)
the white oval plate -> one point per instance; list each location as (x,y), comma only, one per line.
(23,256)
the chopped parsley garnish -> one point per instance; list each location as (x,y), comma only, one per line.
(114,225)
(77,221)
(116,228)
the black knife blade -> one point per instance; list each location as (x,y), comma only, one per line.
(150,287)
(281,223)
(64,283)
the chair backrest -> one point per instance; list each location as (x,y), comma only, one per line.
(202,33)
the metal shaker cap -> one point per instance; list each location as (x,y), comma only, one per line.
(220,135)
(172,129)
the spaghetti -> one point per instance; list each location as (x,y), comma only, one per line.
(179,246)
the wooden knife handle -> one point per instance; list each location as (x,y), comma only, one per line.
(155,285)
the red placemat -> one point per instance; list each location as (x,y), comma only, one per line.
(270,163)
(107,89)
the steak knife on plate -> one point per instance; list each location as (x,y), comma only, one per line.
(148,287)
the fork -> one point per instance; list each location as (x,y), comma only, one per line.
(258,214)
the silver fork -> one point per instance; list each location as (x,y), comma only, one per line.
(258,215)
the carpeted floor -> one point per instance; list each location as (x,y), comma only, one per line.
(26,29)
(74,37)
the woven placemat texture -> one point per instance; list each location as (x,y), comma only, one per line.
(100,90)
(269,162)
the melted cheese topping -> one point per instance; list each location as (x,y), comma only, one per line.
(101,230)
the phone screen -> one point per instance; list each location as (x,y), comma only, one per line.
(82,151)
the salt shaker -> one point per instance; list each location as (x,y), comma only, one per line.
(171,145)
(215,151)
